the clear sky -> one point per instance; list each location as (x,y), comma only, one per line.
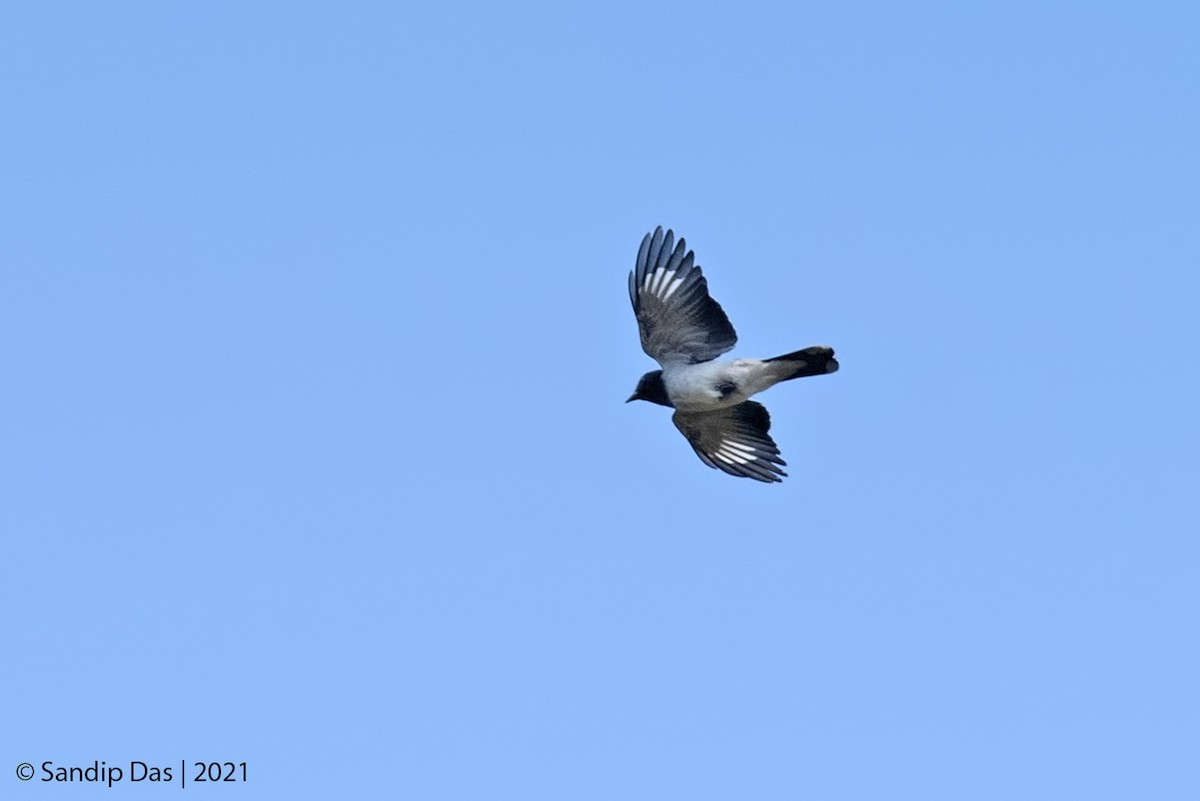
(315,340)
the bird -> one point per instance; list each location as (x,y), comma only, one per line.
(685,330)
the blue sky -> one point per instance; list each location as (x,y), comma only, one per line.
(315,337)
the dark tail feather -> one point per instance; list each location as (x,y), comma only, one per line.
(817,360)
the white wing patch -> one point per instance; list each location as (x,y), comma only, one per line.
(656,280)
(732,452)
(671,287)
(663,282)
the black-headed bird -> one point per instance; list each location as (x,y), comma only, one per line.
(685,330)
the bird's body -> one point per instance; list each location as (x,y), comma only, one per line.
(720,383)
(709,385)
(684,330)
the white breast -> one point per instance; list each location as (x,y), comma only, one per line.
(693,387)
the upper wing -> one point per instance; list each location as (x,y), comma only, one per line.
(677,319)
(734,439)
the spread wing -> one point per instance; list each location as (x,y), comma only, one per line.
(734,439)
(677,319)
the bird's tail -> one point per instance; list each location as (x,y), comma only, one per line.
(817,360)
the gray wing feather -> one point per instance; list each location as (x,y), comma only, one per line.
(677,319)
(735,440)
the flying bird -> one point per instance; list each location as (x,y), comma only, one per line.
(685,330)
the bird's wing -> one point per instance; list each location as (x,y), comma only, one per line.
(677,319)
(734,439)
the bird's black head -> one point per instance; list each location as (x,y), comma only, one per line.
(651,388)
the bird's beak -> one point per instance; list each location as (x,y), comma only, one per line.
(632,397)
